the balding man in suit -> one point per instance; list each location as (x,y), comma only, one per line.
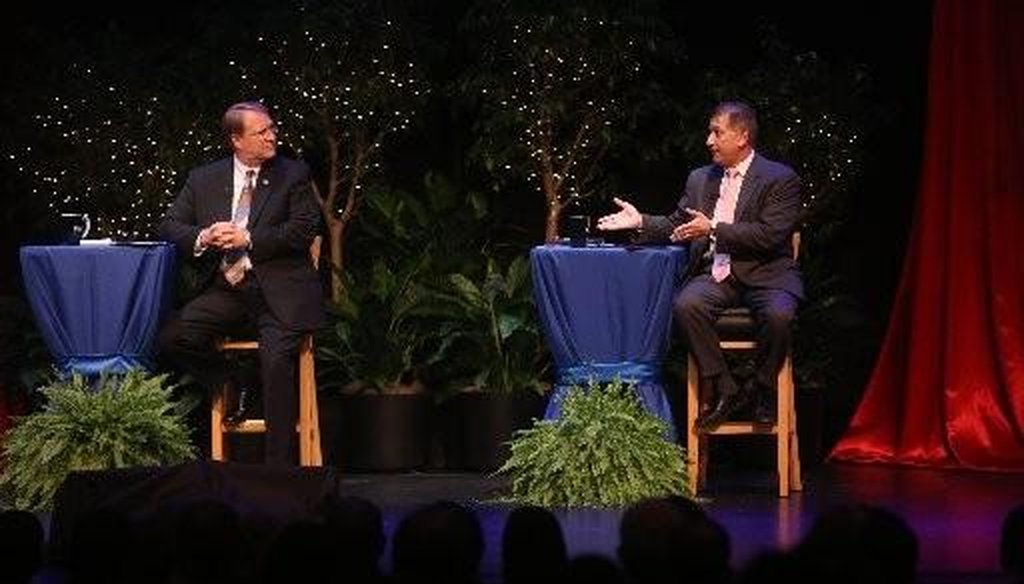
(249,221)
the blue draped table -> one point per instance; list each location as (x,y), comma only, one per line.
(607,313)
(99,308)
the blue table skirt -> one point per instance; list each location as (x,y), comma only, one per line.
(98,308)
(607,313)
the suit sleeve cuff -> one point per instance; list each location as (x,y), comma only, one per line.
(199,248)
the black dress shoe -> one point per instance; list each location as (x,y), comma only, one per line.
(727,405)
(241,411)
(764,402)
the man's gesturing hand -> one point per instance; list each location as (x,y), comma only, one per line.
(627,218)
(698,226)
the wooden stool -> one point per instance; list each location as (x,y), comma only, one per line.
(784,428)
(308,425)
(737,331)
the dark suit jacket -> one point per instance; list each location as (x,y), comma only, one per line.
(759,240)
(283,221)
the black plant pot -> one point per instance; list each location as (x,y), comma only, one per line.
(376,432)
(487,421)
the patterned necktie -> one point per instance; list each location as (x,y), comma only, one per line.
(725,211)
(236,261)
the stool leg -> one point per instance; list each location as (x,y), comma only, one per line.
(217,424)
(783,428)
(795,480)
(309,424)
(693,439)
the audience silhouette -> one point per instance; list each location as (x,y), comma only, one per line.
(672,539)
(593,569)
(859,543)
(21,539)
(356,530)
(1011,545)
(661,541)
(440,543)
(532,547)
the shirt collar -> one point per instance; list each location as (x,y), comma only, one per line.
(743,165)
(241,169)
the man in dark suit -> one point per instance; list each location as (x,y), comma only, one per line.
(249,220)
(738,215)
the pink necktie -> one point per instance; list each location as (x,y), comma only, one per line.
(725,211)
(235,260)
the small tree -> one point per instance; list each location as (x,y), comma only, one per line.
(555,89)
(341,84)
(113,147)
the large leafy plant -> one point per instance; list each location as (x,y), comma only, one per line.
(605,450)
(491,332)
(374,341)
(393,323)
(123,421)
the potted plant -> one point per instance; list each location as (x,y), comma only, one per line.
(605,450)
(368,371)
(494,359)
(121,421)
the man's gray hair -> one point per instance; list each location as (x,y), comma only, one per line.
(232,121)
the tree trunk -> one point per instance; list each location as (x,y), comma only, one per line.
(551,224)
(554,207)
(336,230)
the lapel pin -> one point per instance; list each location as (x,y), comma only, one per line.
(264,182)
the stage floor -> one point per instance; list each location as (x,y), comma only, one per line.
(956,515)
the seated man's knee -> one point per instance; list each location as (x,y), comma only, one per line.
(169,336)
(688,304)
(778,318)
(176,337)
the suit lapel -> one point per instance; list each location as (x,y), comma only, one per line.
(712,189)
(222,206)
(708,200)
(265,184)
(751,182)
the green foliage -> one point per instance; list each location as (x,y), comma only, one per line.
(491,332)
(384,331)
(605,450)
(374,341)
(441,220)
(125,421)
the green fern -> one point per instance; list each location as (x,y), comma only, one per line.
(126,421)
(605,450)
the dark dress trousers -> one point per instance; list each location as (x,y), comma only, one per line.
(763,273)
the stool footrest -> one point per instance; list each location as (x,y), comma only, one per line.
(239,346)
(246,427)
(739,427)
(253,426)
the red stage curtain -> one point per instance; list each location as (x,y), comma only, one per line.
(948,387)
